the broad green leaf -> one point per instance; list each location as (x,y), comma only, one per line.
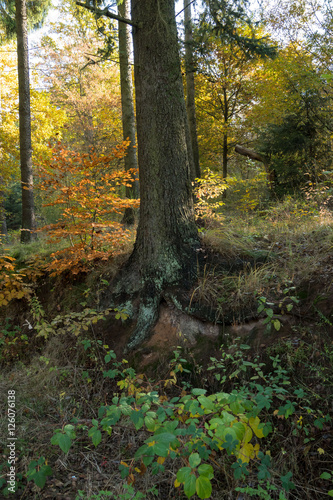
(183,473)
(194,460)
(269,312)
(206,471)
(198,392)
(206,403)
(64,442)
(137,419)
(150,423)
(190,485)
(40,476)
(325,475)
(161,449)
(239,430)
(164,437)
(95,435)
(203,487)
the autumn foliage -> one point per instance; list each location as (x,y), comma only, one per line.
(90,190)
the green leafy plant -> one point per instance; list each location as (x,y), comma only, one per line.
(67,324)
(271,318)
(11,341)
(329,477)
(129,494)
(267,308)
(64,437)
(38,471)
(195,478)
(196,426)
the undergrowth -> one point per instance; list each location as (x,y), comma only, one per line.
(257,425)
(249,422)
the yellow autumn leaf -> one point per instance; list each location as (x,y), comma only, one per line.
(245,453)
(321,451)
(254,423)
(161,460)
(248,435)
(177,483)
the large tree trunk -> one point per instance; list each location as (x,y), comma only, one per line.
(127,107)
(190,87)
(167,239)
(28,212)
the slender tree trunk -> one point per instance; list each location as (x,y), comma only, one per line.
(28,212)
(3,222)
(127,106)
(190,87)
(225,110)
(167,241)
(3,228)
(225,156)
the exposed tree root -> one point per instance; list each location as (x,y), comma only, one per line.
(147,317)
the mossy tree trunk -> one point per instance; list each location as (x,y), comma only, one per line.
(167,240)
(28,211)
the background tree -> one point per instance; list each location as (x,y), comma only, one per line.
(127,104)
(47,120)
(14,20)
(28,209)
(229,43)
(226,89)
(78,81)
(190,86)
(294,123)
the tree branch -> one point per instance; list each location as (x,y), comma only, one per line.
(250,154)
(105,12)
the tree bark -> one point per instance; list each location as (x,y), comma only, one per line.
(250,154)
(225,156)
(167,242)
(190,87)
(28,212)
(127,106)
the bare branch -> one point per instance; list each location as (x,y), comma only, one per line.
(105,12)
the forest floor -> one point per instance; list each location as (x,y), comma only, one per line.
(261,321)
